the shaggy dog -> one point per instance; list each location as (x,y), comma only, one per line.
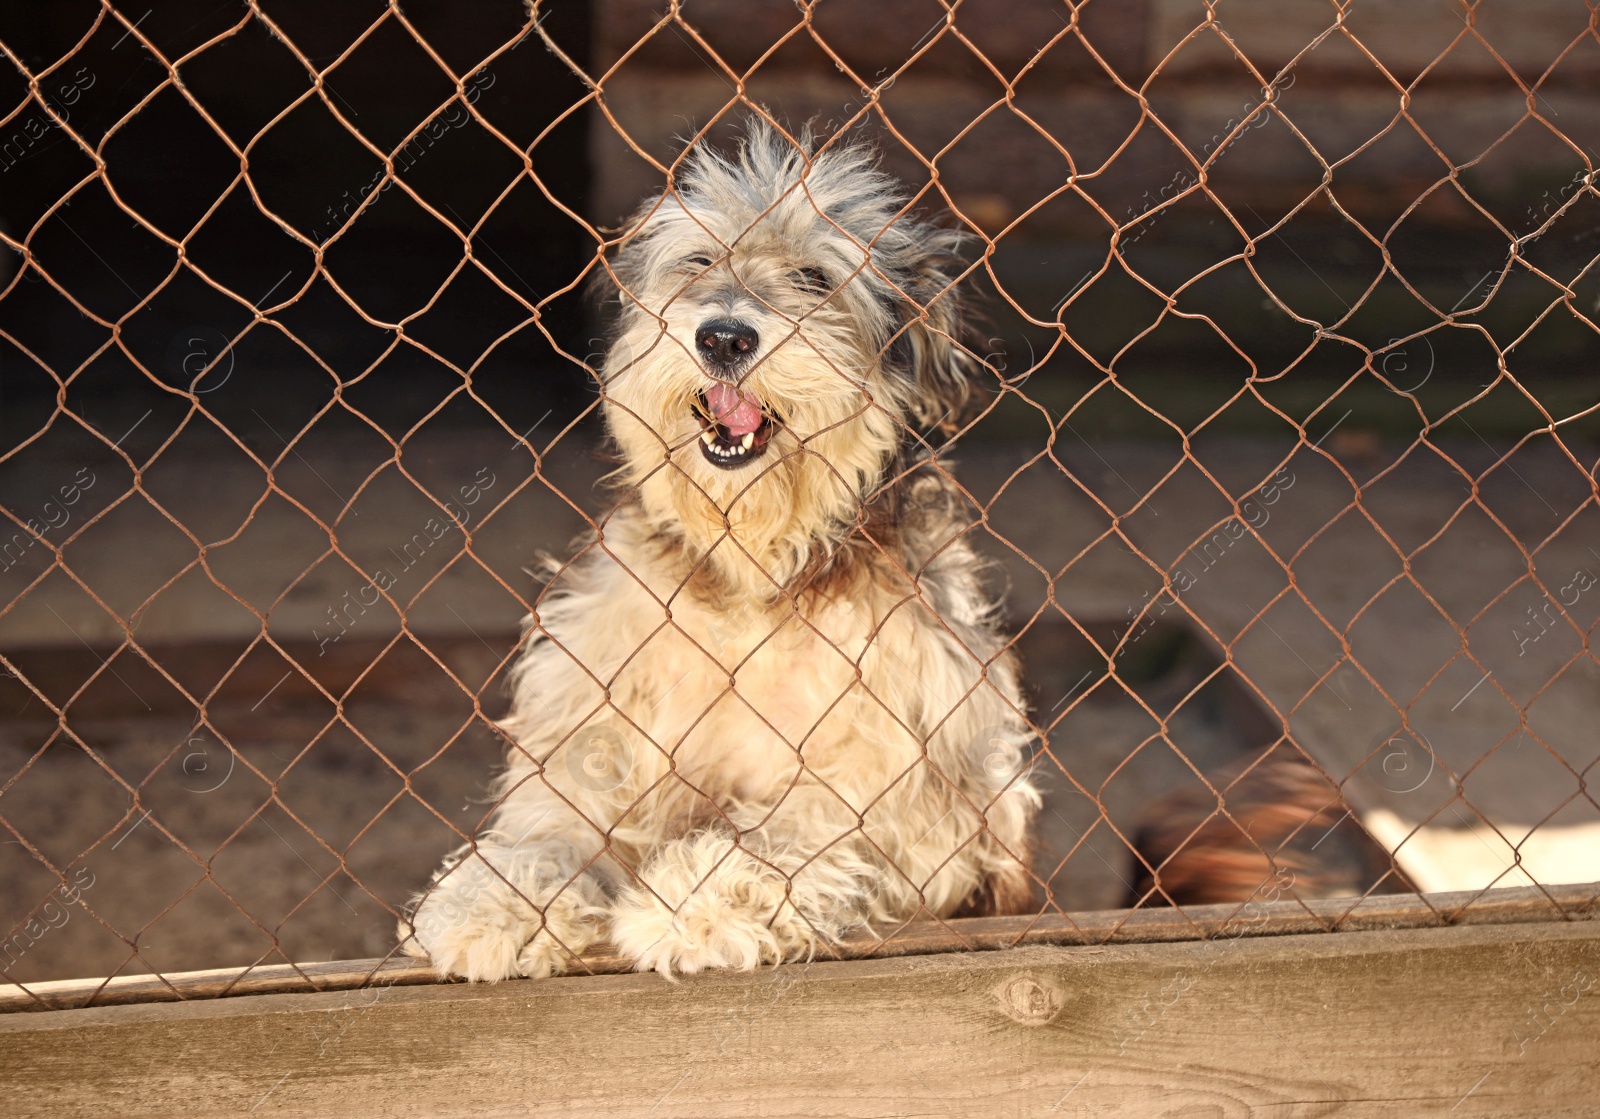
(767,702)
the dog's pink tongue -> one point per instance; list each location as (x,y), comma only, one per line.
(739,412)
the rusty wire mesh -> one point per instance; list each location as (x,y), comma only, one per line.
(1414,626)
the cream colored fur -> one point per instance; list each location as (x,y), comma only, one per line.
(766,704)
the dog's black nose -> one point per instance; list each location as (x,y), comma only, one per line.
(725,342)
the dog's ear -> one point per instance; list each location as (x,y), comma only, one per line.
(932,332)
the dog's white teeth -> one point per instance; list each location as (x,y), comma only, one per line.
(716,444)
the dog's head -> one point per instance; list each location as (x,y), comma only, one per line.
(783,329)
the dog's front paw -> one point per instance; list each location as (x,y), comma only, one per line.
(475,925)
(488,945)
(709,905)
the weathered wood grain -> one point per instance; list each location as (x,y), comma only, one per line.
(1117,926)
(1490,1020)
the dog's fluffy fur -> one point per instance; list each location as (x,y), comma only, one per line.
(767,702)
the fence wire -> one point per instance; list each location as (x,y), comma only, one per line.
(1252,625)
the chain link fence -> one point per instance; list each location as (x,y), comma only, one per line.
(1285,453)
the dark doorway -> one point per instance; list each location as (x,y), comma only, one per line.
(140,282)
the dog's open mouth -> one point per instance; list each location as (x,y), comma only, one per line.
(734,428)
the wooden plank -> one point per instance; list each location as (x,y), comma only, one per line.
(1492,1020)
(1118,926)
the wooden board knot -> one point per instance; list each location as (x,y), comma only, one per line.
(1027,1000)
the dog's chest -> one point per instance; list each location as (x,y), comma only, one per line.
(740,697)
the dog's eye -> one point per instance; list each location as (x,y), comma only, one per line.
(814,280)
(699,261)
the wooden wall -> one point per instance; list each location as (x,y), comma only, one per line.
(1487,1020)
(1347,79)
